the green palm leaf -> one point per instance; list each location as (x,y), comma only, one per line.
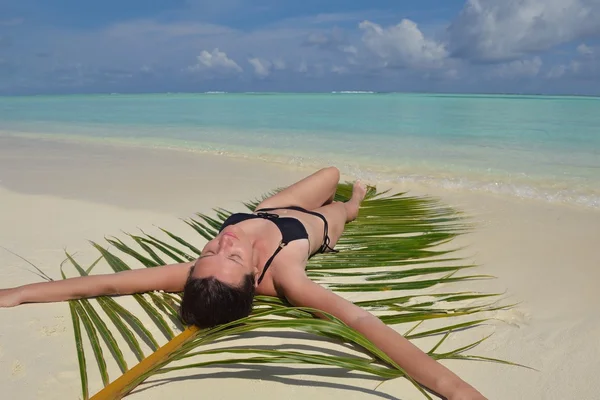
(392,247)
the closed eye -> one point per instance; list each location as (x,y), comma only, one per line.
(236,259)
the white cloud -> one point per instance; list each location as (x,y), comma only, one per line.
(317,39)
(496,30)
(586,66)
(335,40)
(349,49)
(216,60)
(279,64)
(585,50)
(402,45)
(332,18)
(573,69)
(557,71)
(517,69)
(262,68)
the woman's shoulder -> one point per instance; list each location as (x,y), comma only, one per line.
(286,267)
(291,263)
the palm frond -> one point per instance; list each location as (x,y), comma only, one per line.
(391,254)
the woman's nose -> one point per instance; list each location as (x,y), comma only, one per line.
(225,242)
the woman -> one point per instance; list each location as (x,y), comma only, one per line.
(264,253)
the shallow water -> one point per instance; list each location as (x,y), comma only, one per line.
(529,146)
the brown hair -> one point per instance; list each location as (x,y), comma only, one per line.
(208,302)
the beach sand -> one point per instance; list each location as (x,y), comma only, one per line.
(57,196)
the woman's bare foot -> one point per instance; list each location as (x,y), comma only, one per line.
(359,191)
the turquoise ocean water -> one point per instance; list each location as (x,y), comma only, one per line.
(527,146)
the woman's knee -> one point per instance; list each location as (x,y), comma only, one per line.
(333,171)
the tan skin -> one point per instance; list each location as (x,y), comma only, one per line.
(244,248)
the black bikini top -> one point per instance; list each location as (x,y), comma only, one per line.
(291,229)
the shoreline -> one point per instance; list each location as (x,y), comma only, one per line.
(425,183)
(544,256)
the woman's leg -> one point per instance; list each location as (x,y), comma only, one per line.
(310,193)
(338,214)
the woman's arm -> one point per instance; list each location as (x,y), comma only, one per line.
(170,278)
(302,292)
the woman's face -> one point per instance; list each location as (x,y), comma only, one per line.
(229,257)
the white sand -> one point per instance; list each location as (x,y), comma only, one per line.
(55,196)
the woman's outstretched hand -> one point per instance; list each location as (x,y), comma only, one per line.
(10,297)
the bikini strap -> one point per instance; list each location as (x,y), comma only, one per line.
(266,215)
(268,263)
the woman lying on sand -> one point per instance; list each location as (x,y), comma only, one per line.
(263,253)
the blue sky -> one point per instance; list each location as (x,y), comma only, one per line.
(515,46)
